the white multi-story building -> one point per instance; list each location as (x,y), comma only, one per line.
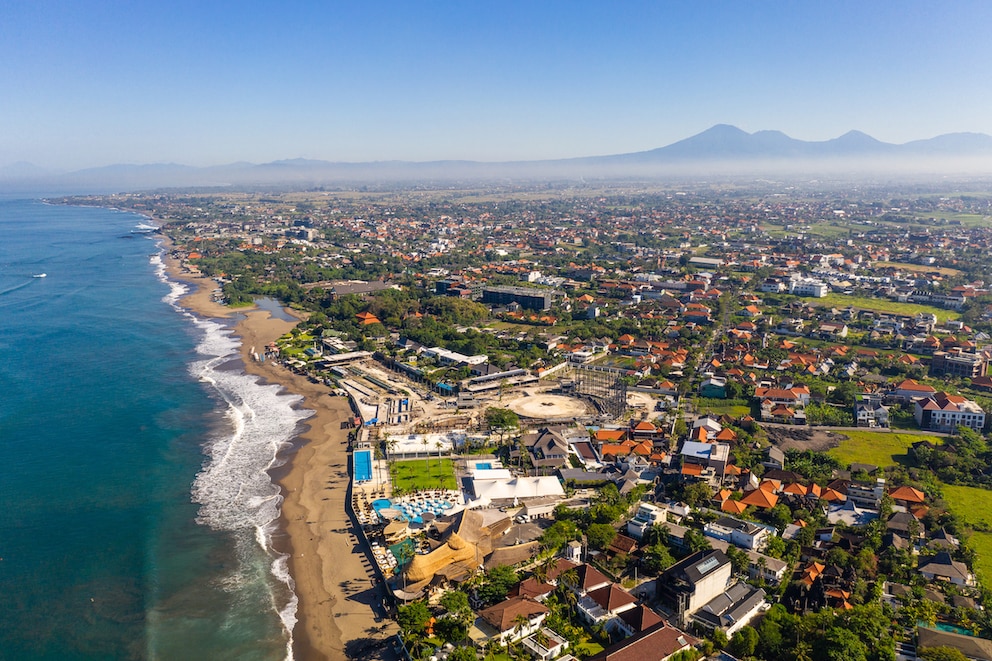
(808,287)
(740,533)
(945,412)
(648,514)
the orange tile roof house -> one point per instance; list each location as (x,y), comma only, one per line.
(732,506)
(644,427)
(503,617)
(637,619)
(367,318)
(910,389)
(606,603)
(610,434)
(657,643)
(907,495)
(761,499)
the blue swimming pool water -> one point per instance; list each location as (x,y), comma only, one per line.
(409,512)
(398,552)
(950,628)
(484,466)
(381,504)
(363,465)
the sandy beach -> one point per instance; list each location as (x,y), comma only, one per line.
(328,562)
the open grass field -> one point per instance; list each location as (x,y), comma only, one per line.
(974,505)
(878,448)
(417,474)
(720,407)
(828,230)
(919,268)
(966,219)
(834,300)
(981,543)
(971,504)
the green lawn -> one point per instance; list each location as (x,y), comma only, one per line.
(423,474)
(588,648)
(878,448)
(974,505)
(720,407)
(835,300)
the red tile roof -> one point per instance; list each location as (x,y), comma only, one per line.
(502,615)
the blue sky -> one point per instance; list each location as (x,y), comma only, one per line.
(205,83)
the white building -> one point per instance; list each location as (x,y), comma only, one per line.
(740,533)
(808,287)
(945,413)
(648,514)
(446,357)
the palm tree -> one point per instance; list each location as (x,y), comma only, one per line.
(491,647)
(391,444)
(569,579)
(520,623)
(543,569)
(567,583)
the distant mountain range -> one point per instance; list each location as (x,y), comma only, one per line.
(722,150)
(725,142)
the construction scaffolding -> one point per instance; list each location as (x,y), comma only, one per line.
(604,386)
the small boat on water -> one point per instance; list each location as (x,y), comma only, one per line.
(40,275)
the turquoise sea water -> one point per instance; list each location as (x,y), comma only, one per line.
(136,510)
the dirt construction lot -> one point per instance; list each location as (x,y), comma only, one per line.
(540,405)
(802,438)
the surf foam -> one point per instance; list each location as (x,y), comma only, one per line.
(234,489)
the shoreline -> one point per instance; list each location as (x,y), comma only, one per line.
(327,561)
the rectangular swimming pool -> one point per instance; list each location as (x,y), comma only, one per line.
(363,465)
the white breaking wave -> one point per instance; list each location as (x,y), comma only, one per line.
(176,289)
(234,489)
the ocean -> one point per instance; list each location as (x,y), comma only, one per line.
(136,505)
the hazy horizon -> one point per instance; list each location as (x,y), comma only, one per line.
(205,85)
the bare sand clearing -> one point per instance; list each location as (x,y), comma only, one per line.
(328,563)
(540,405)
